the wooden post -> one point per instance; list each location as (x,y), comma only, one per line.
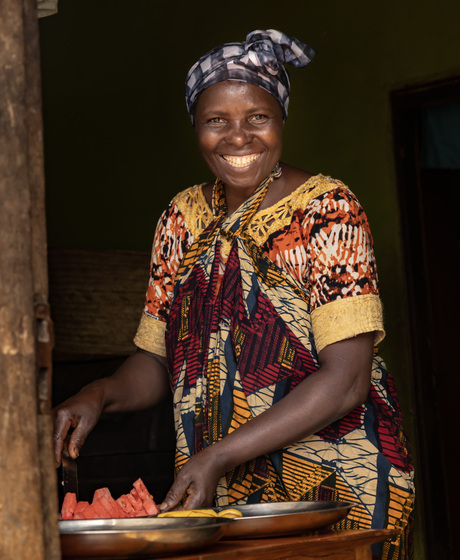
(28,486)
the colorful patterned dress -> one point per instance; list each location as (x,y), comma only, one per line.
(241,306)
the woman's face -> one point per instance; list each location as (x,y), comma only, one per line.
(239,128)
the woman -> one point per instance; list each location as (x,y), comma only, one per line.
(263,306)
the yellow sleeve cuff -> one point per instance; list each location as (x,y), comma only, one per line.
(347,317)
(150,335)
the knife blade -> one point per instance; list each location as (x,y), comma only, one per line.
(69,473)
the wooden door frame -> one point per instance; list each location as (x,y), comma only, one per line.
(28,484)
(406,105)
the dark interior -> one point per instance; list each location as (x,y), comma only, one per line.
(97,299)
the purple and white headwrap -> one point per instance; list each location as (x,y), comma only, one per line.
(259,60)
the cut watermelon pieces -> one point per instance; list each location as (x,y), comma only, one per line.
(138,503)
(68,505)
(78,511)
(125,505)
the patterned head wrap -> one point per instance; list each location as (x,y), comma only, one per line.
(259,61)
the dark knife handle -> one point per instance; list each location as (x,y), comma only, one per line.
(69,473)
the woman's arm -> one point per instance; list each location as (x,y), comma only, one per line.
(340,385)
(140,382)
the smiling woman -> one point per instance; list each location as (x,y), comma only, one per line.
(263,314)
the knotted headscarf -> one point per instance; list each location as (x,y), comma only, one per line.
(259,60)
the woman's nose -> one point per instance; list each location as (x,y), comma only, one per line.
(238,134)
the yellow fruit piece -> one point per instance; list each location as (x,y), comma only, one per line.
(230,513)
(189,513)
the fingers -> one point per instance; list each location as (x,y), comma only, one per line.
(195,484)
(61,428)
(174,496)
(78,438)
(64,421)
(74,419)
(189,491)
(193,501)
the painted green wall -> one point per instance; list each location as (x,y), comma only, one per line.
(119,144)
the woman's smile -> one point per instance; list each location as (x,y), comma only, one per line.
(240,161)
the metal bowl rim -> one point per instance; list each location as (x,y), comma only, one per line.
(337,506)
(117,528)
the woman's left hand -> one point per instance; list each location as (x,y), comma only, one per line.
(195,484)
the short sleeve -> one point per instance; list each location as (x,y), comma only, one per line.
(342,272)
(171,240)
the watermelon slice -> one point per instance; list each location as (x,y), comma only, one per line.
(141,489)
(78,512)
(147,499)
(126,506)
(111,506)
(137,503)
(100,492)
(68,505)
(150,507)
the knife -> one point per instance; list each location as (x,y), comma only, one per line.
(69,473)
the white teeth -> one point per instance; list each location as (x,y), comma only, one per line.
(243,161)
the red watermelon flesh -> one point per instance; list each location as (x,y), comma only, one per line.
(68,505)
(100,492)
(150,507)
(109,506)
(86,512)
(125,505)
(141,489)
(95,511)
(79,509)
(139,502)
(134,500)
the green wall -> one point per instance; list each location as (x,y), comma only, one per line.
(119,144)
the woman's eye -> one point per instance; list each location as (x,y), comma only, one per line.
(215,120)
(259,118)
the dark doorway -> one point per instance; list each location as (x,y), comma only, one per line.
(426,122)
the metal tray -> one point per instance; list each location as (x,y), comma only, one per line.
(284,518)
(149,536)
(138,537)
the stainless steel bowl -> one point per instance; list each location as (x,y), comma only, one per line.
(285,518)
(138,537)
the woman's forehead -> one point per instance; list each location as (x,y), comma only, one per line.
(231,91)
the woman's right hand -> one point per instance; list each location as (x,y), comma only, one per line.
(75,418)
(139,383)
